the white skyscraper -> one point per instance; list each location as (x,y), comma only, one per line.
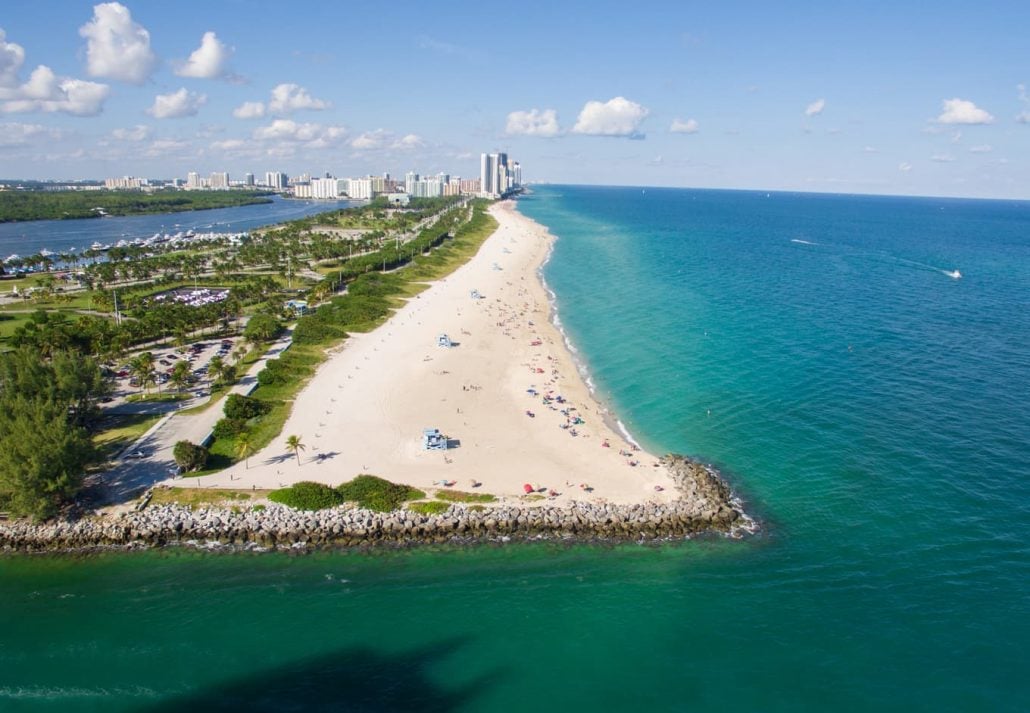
(488,174)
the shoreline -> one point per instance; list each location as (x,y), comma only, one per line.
(510,384)
(509,395)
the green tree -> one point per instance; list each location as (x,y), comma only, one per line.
(42,456)
(181,375)
(142,367)
(262,328)
(189,456)
(217,367)
(294,444)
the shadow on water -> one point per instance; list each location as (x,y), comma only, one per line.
(355,679)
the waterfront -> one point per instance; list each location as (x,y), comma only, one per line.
(25,239)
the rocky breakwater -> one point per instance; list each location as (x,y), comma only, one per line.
(706,505)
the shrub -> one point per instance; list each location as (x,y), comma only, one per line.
(262,328)
(434,507)
(228,428)
(376,494)
(307,495)
(459,496)
(242,408)
(189,456)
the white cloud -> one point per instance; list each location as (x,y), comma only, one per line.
(17,134)
(136,133)
(615,117)
(409,141)
(983,148)
(960,111)
(229,145)
(44,91)
(177,104)
(165,147)
(690,126)
(942,158)
(47,92)
(288,98)
(533,123)
(371,140)
(249,110)
(904,167)
(870,149)
(209,61)
(117,47)
(313,135)
(1023,117)
(815,108)
(12,56)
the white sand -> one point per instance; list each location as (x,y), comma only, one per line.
(366,407)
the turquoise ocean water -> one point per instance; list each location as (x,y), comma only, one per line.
(869,406)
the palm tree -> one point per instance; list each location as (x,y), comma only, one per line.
(217,366)
(244,447)
(294,444)
(181,375)
(142,367)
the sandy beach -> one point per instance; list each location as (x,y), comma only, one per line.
(507,394)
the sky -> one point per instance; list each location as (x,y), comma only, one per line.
(911,98)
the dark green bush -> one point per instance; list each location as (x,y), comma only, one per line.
(241,408)
(189,456)
(307,495)
(373,493)
(459,496)
(228,428)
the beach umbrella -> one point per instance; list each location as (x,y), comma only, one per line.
(528,488)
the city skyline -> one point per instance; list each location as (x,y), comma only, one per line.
(799,97)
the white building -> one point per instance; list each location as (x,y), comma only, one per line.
(219,181)
(276,180)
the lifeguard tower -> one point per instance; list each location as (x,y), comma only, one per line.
(444,341)
(433,440)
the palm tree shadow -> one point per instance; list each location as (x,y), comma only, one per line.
(357,679)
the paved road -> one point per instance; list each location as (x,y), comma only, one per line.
(129,477)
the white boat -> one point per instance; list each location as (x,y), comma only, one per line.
(12,258)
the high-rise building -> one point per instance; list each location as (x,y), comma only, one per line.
(276,180)
(193,181)
(248,179)
(219,181)
(410,179)
(488,174)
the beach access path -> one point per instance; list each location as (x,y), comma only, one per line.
(365,409)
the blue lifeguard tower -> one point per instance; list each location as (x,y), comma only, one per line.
(433,440)
(444,341)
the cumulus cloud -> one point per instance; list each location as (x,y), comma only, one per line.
(870,149)
(286,98)
(983,148)
(533,123)
(690,126)
(177,104)
(249,110)
(12,56)
(904,167)
(17,134)
(615,117)
(815,108)
(961,111)
(384,139)
(229,145)
(139,132)
(942,158)
(313,135)
(117,47)
(209,61)
(165,147)
(46,92)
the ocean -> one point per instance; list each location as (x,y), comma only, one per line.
(867,402)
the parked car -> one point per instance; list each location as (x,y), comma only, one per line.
(137,455)
(122,374)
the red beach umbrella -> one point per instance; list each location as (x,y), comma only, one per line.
(528,488)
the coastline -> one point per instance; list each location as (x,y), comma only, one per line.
(511,395)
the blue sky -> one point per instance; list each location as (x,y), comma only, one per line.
(878,97)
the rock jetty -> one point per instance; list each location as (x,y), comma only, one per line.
(706,505)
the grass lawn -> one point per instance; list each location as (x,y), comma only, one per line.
(194,497)
(122,431)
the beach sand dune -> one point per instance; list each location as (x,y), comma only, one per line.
(365,409)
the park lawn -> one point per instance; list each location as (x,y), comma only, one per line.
(122,431)
(194,497)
